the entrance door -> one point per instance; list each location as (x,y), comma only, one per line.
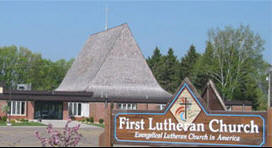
(48,110)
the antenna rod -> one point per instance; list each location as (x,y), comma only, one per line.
(106,17)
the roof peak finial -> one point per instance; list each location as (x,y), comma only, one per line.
(106,17)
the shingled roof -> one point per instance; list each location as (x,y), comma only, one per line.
(112,65)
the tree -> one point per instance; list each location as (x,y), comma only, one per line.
(155,62)
(20,65)
(69,137)
(7,64)
(200,75)
(170,72)
(233,60)
(6,110)
(188,62)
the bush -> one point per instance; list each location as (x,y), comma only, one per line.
(91,119)
(12,121)
(73,118)
(84,120)
(4,118)
(23,120)
(69,137)
(101,121)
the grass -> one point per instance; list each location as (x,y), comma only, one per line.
(94,124)
(3,123)
(28,124)
(99,125)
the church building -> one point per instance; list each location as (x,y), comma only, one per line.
(110,65)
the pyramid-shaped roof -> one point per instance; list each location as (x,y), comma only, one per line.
(112,65)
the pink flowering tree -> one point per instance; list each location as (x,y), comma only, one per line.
(69,137)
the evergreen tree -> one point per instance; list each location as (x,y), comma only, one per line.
(170,74)
(187,63)
(200,74)
(155,62)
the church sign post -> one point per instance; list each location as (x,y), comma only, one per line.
(186,121)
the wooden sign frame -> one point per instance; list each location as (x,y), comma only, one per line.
(260,116)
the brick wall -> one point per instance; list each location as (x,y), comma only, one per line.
(271,91)
(248,108)
(30,110)
(65,111)
(142,106)
(241,108)
(153,107)
(2,103)
(236,108)
(97,111)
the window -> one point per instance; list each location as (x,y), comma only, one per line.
(228,108)
(162,106)
(74,109)
(17,108)
(127,106)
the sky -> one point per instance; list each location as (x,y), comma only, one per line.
(59,29)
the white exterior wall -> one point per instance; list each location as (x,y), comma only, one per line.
(85,111)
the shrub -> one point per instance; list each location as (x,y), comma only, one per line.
(4,118)
(101,121)
(91,119)
(70,137)
(5,109)
(73,118)
(23,120)
(84,120)
(12,121)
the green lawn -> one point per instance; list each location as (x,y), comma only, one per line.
(2,123)
(28,124)
(99,125)
(94,124)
